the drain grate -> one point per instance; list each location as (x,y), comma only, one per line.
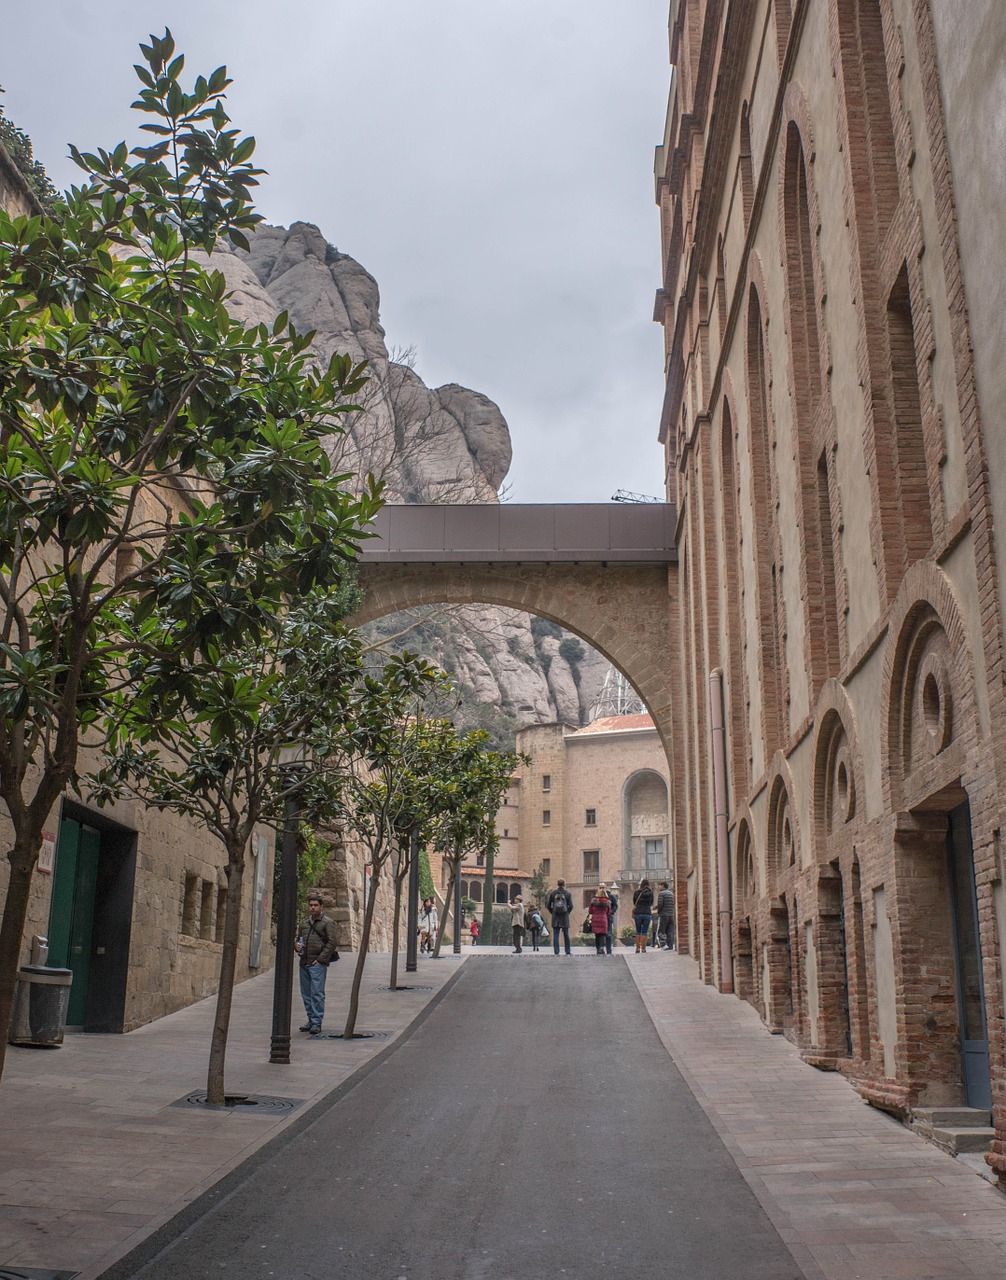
(401,988)
(248,1103)
(35,1273)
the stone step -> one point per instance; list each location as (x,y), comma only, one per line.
(960,1140)
(954,1117)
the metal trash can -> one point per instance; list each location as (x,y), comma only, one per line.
(40,1005)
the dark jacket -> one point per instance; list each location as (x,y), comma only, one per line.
(560,903)
(665,903)
(642,902)
(319,941)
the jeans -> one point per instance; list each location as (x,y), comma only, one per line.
(312,992)
(534,938)
(612,934)
(665,930)
(560,926)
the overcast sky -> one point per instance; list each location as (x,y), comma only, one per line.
(491,164)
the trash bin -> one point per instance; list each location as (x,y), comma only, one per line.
(40,1005)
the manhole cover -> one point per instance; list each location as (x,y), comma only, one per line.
(35,1273)
(248,1103)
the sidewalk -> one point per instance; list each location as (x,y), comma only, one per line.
(854,1194)
(93,1156)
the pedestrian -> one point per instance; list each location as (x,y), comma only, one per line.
(474,931)
(517,924)
(535,924)
(560,904)
(429,923)
(599,916)
(316,946)
(613,903)
(665,917)
(642,910)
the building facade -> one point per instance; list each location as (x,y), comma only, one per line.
(833,241)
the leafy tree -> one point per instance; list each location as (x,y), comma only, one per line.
(162,472)
(538,885)
(207,738)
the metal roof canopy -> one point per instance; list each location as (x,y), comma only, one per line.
(570,533)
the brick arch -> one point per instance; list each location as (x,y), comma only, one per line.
(622,611)
(782,843)
(927,619)
(836,748)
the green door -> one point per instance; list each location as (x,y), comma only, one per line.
(71,915)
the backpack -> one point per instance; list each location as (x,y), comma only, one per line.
(560,904)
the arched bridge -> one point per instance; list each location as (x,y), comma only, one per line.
(599,570)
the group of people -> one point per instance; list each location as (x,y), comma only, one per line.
(649,912)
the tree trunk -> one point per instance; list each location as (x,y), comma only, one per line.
(399,877)
(361,959)
(228,968)
(15,913)
(448,899)
(488,896)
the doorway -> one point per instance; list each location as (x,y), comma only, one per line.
(967,944)
(90,916)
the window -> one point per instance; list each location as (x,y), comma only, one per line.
(190,906)
(654,851)
(546,782)
(591,819)
(546,817)
(546,866)
(591,863)
(506,832)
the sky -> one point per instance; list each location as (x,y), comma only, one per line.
(491,164)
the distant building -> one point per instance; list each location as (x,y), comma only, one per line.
(590,808)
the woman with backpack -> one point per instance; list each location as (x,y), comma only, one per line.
(535,924)
(599,918)
(642,911)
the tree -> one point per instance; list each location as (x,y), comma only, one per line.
(538,885)
(207,738)
(471,785)
(162,471)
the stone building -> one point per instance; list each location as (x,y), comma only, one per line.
(591,807)
(834,243)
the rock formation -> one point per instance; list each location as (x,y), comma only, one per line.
(445,444)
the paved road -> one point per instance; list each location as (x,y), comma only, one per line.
(532,1125)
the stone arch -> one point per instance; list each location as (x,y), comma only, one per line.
(838,786)
(647,787)
(744,907)
(622,611)
(928,687)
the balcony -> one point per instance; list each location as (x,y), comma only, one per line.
(633,875)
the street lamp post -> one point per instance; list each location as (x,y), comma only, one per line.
(286,930)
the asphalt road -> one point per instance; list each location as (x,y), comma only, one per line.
(532,1125)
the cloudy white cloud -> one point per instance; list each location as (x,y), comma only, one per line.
(490,165)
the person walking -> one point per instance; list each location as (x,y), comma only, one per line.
(599,915)
(642,911)
(429,923)
(560,904)
(474,931)
(665,917)
(316,946)
(613,903)
(517,923)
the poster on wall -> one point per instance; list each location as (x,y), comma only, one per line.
(47,854)
(261,899)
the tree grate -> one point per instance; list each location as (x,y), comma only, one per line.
(241,1103)
(35,1273)
(400,987)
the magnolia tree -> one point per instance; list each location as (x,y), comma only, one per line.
(163,483)
(208,737)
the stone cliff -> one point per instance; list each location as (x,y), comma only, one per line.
(443,444)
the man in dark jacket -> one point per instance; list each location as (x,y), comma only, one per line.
(316,947)
(665,917)
(560,903)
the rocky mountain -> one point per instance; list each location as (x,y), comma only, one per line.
(442,444)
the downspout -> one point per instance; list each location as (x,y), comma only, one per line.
(722,843)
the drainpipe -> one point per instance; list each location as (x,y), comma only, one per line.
(722,844)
